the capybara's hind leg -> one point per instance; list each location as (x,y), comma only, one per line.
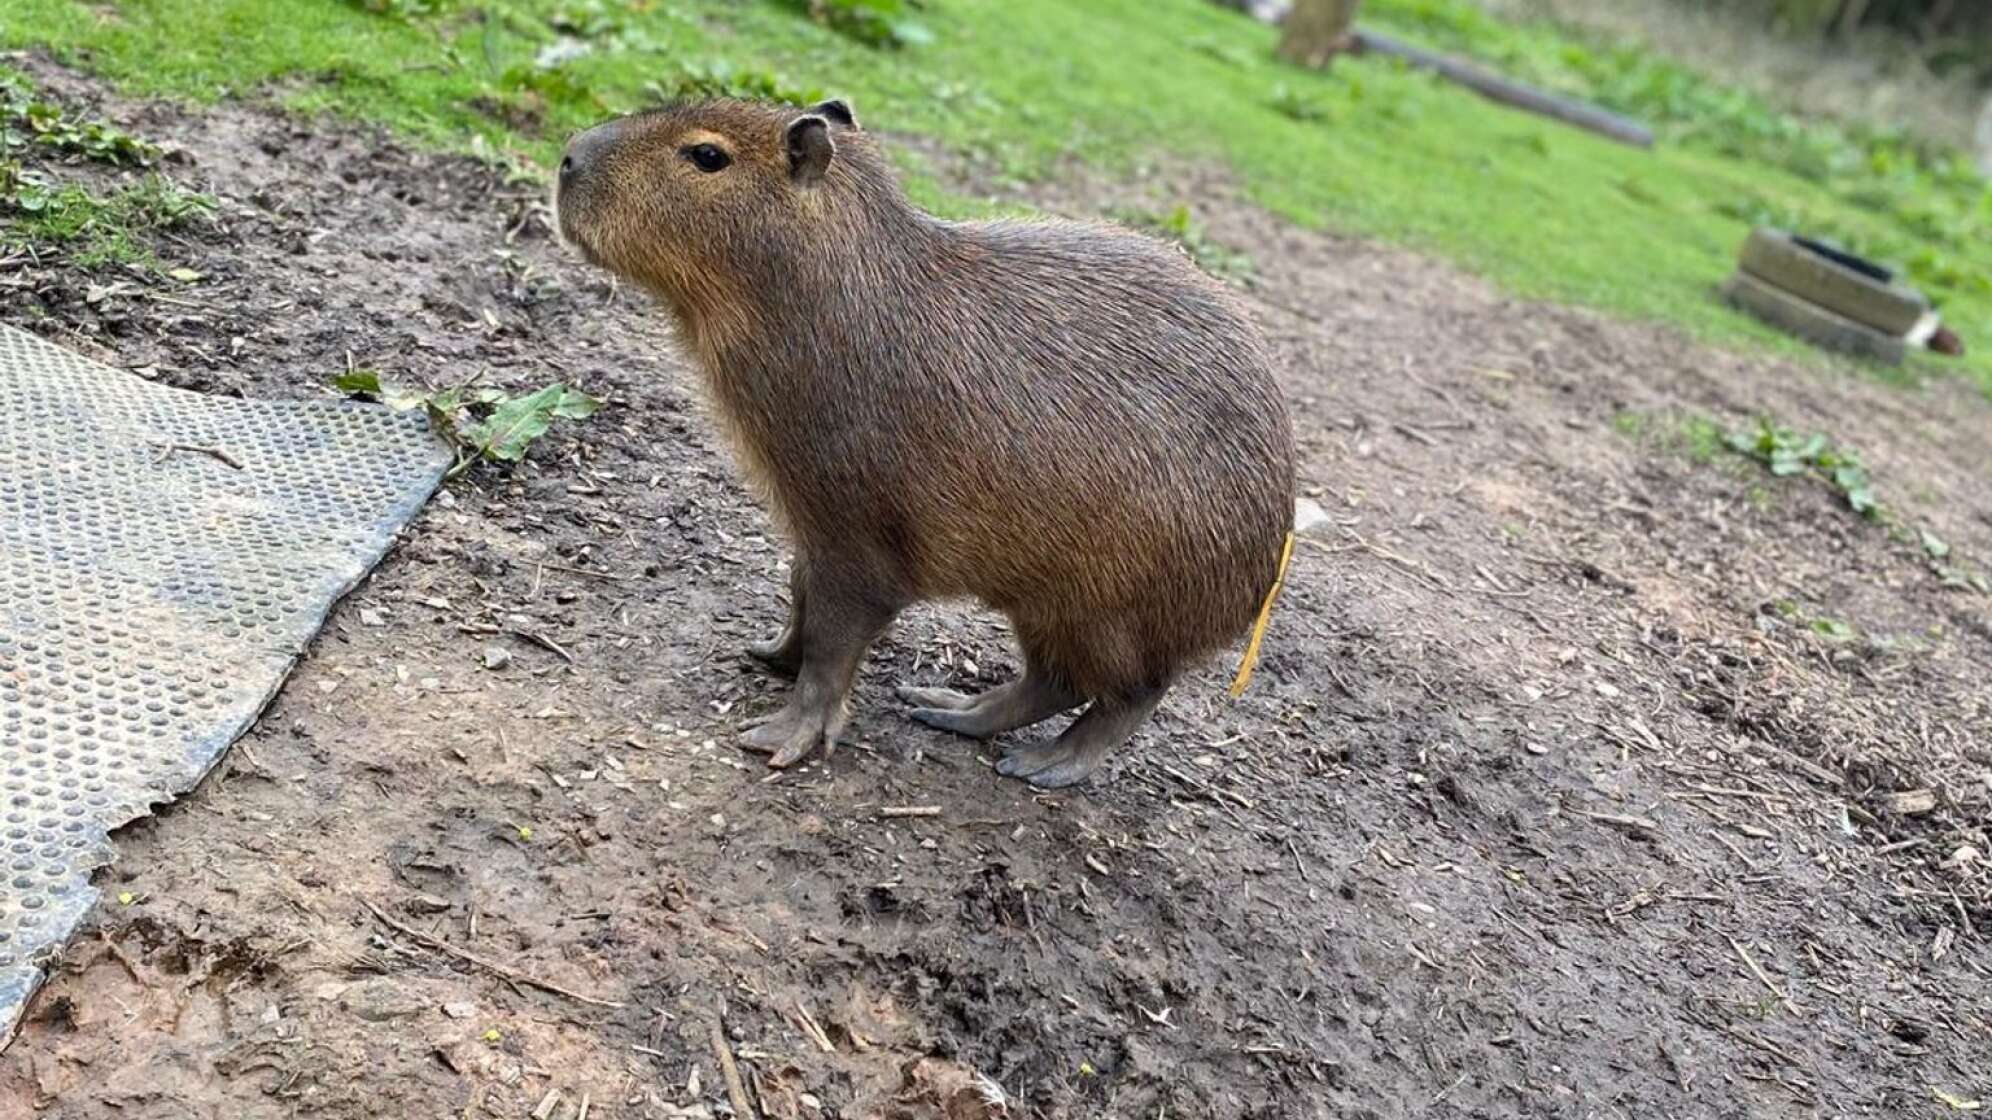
(782,654)
(1072,757)
(844,616)
(1037,695)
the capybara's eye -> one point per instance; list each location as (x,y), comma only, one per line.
(708,157)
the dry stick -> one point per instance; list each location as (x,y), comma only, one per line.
(584,572)
(1762,978)
(910,811)
(814,1029)
(492,967)
(1631,824)
(544,643)
(735,1091)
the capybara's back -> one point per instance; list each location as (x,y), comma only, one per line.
(1067,421)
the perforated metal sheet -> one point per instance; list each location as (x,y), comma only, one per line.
(153,597)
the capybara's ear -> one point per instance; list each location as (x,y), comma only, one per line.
(838,110)
(810,149)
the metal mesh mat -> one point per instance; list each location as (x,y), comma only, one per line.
(164,558)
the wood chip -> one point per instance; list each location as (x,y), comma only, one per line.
(910,811)
(1910,803)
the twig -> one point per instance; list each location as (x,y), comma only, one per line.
(544,643)
(1630,824)
(735,1091)
(1413,433)
(814,1029)
(166,451)
(123,958)
(910,811)
(492,967)
(1763,978)
(584,572)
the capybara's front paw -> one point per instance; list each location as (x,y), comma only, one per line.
(791,735)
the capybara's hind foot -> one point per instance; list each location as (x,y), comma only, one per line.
(1030,698)
(1073,756)
(791,735)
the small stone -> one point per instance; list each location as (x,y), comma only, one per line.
(373,618)
(460,1009)
(1308,514)
(497,657)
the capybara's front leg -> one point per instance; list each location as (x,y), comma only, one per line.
(846,611)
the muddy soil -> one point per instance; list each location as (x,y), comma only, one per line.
(1581,778)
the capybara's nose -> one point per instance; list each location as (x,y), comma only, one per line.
(584,151)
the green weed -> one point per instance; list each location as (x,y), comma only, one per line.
(28,122)
(481,423)
(716,77)
(1785,453)
(93,229)
(404,9)
(875,23)
(1298,103)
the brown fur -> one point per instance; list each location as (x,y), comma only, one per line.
(1066,421)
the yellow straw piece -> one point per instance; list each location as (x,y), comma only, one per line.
(1244,677)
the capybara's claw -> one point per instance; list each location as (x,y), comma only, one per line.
(788,737)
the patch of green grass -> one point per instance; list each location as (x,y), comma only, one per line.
(1697,437)
(1021,88)
(95,229)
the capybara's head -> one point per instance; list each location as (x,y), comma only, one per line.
(690,197)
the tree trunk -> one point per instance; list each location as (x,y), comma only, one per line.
(1316,31)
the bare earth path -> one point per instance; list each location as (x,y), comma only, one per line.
(1565,789)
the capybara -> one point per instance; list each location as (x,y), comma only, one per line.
(1066,421)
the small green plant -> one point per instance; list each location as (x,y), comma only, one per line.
(716,77)
(1785,453)
(1180,226)
(404,9)
(875,23)
(27,121)
(94,230)
(481,423)
(1298,104)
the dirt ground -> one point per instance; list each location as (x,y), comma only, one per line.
(1568,786)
